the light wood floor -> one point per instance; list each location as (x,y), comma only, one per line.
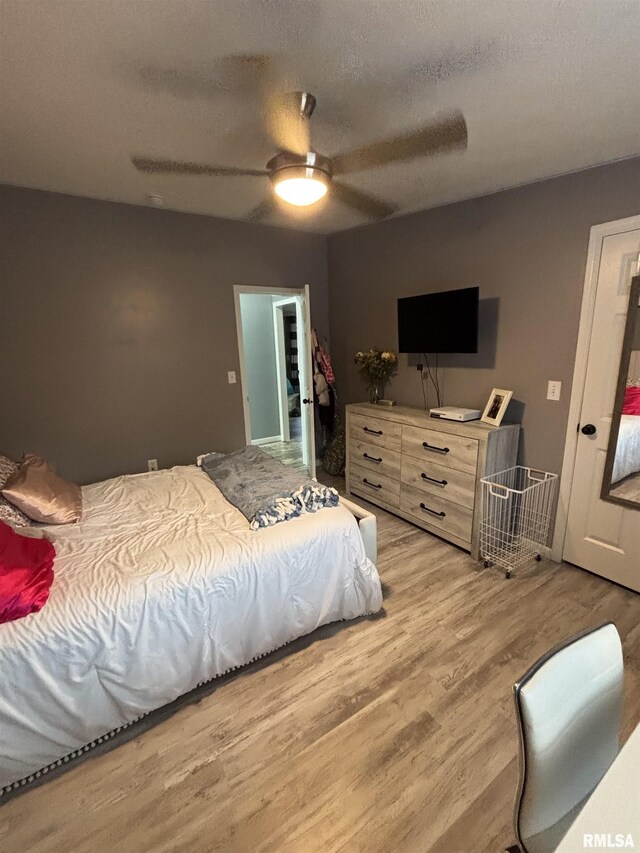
(393,733)
(289,452)
(629,488)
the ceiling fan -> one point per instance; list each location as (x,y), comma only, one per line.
(301,176)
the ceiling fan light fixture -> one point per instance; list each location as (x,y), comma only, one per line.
(300,185)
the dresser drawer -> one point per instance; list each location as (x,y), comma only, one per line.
(433,479)
(376,458)
(372,484)
(437,512)
(452,451)
(375,431)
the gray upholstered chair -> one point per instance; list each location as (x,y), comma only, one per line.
(568,706)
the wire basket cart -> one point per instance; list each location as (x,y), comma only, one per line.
(516,514)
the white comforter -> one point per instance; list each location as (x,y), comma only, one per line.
(627,458)
(160,587)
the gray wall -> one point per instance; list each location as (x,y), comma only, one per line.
(526,249)
(117,323)
(260,363)
(117,328)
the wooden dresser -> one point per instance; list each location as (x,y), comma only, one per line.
(424,469)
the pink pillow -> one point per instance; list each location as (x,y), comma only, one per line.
(41,494)
(26,573)
(631,405)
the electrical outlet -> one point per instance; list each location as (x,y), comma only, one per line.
(152,464)
(231,376)
(553,389)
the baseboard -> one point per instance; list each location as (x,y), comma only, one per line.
(268,440)
(535,548)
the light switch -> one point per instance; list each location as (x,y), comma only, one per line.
(231,376)
(553,389)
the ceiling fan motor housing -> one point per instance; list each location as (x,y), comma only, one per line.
(289,165)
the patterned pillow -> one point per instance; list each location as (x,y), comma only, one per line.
(12,515)
(7,468)
(9,513)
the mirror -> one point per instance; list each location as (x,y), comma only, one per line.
(621,482)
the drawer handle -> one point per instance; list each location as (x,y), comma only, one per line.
(432,480)
(432,511)
(372,431)
(374,485)
(434,447)
(372,458)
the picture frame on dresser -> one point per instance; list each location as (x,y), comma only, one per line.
(496,407)
(427,471)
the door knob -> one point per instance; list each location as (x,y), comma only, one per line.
(589,429)
(306,401)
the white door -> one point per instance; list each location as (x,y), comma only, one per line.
(305,374)
(601,536)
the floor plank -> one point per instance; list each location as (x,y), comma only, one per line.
(289,452)
(389,733)
(629,488)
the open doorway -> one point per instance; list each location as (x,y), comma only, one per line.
(275,372)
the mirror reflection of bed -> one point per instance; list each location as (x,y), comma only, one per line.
(622,472)
(625,480)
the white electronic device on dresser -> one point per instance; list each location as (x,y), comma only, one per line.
(455,413)
(426,470)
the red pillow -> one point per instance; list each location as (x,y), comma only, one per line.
(631,405)
(26,573)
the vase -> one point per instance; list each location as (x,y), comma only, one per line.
(376,391)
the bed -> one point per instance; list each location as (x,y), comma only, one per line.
(627,458)
(162,586)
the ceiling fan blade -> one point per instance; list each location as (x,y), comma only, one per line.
(179,167)
(441,135)
(263,210)
(285,121)
(285,112)
(251,79)
(364,203)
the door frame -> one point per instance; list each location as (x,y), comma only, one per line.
(597,235)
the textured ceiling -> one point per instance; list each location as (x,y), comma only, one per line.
(546,87)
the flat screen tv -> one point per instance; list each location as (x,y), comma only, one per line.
(439,322)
